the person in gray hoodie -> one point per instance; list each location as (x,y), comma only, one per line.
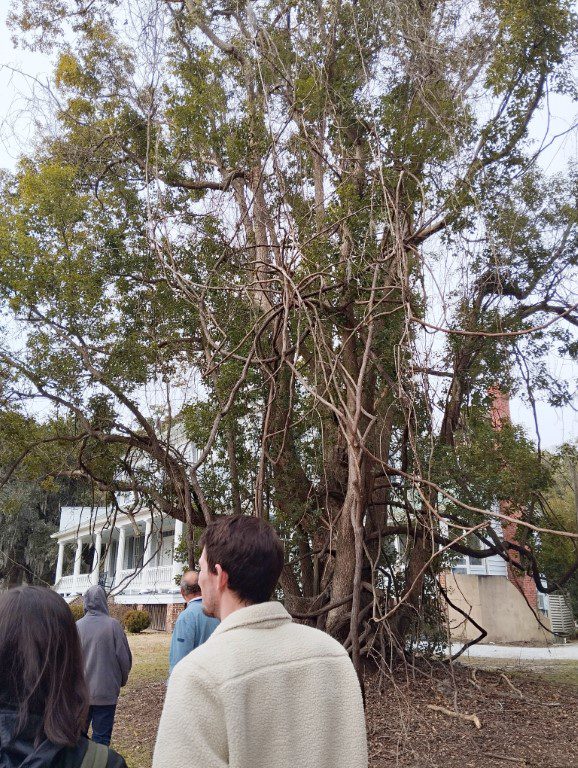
(107,662)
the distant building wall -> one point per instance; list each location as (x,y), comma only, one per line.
(498,606)
(173,612)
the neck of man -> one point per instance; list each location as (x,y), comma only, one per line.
(230,602)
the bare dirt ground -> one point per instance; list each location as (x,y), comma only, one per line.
(529,718)
(525,720)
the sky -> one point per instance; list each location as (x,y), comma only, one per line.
(24,73)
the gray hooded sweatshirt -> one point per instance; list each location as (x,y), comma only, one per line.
(107,657)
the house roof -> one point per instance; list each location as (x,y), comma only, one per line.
(77,522)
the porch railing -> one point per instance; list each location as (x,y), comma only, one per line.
(69,585)
(158,579)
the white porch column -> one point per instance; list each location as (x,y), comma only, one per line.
(120,553)
(96,559)
(77,558)
(177,567)
(106,563)
(148,553)
(59,562)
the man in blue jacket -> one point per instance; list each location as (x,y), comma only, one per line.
(107,662)
(192,627)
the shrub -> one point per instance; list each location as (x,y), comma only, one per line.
(77,610)
(118,611)
(136,621)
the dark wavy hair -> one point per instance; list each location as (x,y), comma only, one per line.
(41,670)
(250,552)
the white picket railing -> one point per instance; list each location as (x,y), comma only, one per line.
(69,585)
(158,579)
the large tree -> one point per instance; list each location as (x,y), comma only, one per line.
(313,235)
(33,485)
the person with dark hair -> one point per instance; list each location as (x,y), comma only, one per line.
(266,693)
(107,662)
(192,626)
(43,695)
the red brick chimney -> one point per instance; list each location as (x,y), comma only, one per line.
(500,408)
(500,412)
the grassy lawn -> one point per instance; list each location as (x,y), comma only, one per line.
(150,651)
(553,671)
(560,672)
(141,701)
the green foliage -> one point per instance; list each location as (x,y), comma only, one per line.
(268,203)
(560,512)
(136,621)
(485,465)
(31,491)
(77,611)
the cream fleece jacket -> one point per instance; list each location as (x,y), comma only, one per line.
(263,692)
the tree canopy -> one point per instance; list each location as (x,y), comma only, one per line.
(314,237)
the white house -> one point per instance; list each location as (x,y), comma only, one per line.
(132,556)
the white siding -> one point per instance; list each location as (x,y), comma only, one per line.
(496,566)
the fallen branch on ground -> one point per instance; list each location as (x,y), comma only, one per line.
(474,680)
(512,686)
(450,713)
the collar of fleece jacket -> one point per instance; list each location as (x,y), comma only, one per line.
(266,614)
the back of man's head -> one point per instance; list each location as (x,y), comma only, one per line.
(249,550)
(190,585)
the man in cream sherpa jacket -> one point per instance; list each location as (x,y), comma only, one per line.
(262,692)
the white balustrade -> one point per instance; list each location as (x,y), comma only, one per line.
(156,577)
(65,584)
(146,580)
(77,583)
(83,582)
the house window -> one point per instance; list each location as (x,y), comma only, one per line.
(165,548)
(87,558)
(135,552)
(465,563)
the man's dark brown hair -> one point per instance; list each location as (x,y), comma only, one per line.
(249,550)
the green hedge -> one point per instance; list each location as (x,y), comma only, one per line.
(136,621)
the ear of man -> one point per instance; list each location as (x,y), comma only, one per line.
(223,577)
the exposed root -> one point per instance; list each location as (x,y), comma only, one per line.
(512,686)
